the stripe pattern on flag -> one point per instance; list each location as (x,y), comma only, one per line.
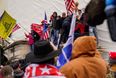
(45,28)
(16,28)
(70,4)
(46,35)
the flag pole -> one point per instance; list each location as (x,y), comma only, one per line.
(23,28)
(58,43)
(65,56)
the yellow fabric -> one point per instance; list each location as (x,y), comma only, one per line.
(86,61)
(7,23)
(2,29)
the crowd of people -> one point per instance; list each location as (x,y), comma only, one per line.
(86,61)
(59,28)
(61,25)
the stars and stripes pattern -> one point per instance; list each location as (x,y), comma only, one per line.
(46,35)
(70,5)
(43,33)
(39,70)
(45,28)
(16,28)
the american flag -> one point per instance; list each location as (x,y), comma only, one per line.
(46,35)
(45,29)
(16,28)
(70,5)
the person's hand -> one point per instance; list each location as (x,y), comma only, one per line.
(76,6)
(1,66)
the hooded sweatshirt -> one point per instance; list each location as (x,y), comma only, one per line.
(86,61)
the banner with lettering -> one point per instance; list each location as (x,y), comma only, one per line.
(7,24)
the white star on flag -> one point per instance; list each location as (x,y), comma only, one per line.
(45,70)
(58,73)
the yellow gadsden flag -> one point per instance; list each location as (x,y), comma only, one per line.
(7,24)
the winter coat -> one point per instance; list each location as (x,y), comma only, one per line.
(54,23)
(86,61)
(30,39)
